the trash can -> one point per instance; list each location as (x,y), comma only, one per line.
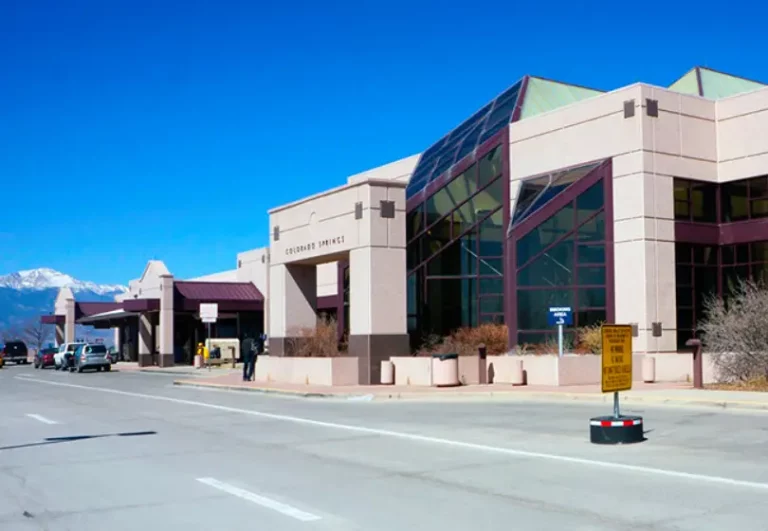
(445,370)
(518,376)
(649,369)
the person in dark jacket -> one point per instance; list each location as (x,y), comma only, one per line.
(258,349)
(247,353)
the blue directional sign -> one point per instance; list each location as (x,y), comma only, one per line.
(560,315)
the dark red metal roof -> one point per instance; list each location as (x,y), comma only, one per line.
(86,309)
(52,319)
(218,291)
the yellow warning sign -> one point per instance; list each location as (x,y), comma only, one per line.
(617,358)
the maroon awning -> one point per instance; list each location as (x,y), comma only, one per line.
(52,319)
(230,296)
(86,309)
(141,305)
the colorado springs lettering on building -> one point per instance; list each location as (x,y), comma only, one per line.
(320,244)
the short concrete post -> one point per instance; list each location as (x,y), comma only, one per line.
(387,372)
(517,376)
(649,369)
(698,365)
(482,360)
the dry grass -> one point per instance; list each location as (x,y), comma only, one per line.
(465,341)
(755,384)
(590,339)
(320,342)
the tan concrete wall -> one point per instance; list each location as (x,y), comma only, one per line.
(221,276)
(307,371)
(410,370)
(742,135)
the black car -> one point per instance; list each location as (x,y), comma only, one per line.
(15,351)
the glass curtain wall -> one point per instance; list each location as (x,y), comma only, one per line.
(560,252)
(455,251)
(714,268)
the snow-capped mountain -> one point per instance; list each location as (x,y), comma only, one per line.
(46,278)
(27,295)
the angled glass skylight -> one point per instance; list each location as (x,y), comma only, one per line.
(464,139)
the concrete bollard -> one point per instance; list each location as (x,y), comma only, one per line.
(518,376)
(387,372)
(649,369)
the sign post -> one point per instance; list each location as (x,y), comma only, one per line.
(616,365)
(560,316)
(209,313)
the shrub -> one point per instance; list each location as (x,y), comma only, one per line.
(465,341)
(734,332)
(320,342)
(590,339)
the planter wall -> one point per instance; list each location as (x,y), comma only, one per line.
(675,367)
(412,370)
(308,371)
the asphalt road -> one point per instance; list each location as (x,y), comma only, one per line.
(130,451)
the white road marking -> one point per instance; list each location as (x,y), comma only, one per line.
(41,418)
(428,439)
(282,508)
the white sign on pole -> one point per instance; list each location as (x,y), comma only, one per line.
(209,312)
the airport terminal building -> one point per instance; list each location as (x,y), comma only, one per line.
(629,206)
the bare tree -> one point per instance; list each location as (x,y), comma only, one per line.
(735,332)
(10,333)
(37,334)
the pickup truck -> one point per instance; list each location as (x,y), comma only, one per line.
(15,351)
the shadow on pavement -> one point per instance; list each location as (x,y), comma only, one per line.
(71,438)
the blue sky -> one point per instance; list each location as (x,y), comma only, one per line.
(133,130)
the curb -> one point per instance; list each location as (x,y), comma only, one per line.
(521,396)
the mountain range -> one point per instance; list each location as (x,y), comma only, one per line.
(26,295)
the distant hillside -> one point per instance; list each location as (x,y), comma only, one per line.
(26,295)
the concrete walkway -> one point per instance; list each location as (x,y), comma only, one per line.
(660,393)
(184,370)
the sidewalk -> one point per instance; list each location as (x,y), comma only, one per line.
(184,370)
(660,393)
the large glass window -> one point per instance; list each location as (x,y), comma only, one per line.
(455,262)
(695,201)
(561,262)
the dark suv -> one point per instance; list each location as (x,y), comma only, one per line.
(15,351)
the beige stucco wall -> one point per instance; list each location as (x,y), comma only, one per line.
(647,152)
(321,230)
(742,135)
(148,286)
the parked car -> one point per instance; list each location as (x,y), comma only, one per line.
(15,351)
(44,358)
(91,356)
(2,359)
(66,348)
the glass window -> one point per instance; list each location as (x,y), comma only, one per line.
(734,201)
(589,202)
(552,229)
(491,266)
(489,199)
(468,302)
(683,253)
(684,275)
(704,202)
(415,221)
(491,238)
(684,296)
(449,261)
(705,255)
(491,285)
(439,205)
(413,305)
(760,252)
(590,317)
(490,166)
(728,254)
(591,254)
(591,298)
(591,276)
(593,230)
(413,254)
(760,273)
(533,306)
(758,187)
(492,304)
(464,185)
(742,253)
(758,208)
(682,204)
(552,268)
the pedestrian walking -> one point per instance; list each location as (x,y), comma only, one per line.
(258,349)
(246,351)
